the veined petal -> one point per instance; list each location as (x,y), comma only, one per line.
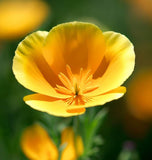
(107,97)
(59,107)
(53,106)
(36,144)
(72,67)
(77,44)
(103,98)
(31,69)
(119,61)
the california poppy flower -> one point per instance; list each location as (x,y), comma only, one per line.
(18,17)
(72,67)
(36,144)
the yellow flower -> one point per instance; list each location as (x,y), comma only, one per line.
(142,7)
(72,67)
(19,17)
(37,145)
(74,145)
(139,96)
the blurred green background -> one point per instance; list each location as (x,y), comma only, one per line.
(126,136)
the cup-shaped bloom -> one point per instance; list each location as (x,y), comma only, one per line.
(19,17)
(37,145)
(72,67)
(139,96)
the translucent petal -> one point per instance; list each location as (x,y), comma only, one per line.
(103,98)
(51,105)
(31,69)
(77,44)
(106,97)
(59,107)
(119,63)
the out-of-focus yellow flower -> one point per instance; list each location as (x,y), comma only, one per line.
(139,95)
(72,67)
(74,145)
(143,7)
(37,145)
(19,17)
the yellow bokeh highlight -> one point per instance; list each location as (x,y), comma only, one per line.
(139,96)
(20,17)
(142,7)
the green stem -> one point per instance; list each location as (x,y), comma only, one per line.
(76,131)
(76,125)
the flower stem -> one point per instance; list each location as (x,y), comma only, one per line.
(76,125)
(76,131)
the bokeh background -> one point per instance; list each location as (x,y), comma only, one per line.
(126,130)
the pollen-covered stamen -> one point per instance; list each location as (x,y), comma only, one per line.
(86,82)
(76,86)
(63,90)
(65,80)
(69,72)
(85,78)
(89,89)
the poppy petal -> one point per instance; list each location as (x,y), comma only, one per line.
(107,97)
(31,69)
(103,98)
(58,107)
(119,61)
(77,44)
(51,105)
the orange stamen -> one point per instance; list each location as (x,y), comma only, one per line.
(76,110)
(76,86)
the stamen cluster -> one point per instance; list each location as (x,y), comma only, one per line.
(76,86)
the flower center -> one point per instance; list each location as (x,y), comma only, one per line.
(76,86)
